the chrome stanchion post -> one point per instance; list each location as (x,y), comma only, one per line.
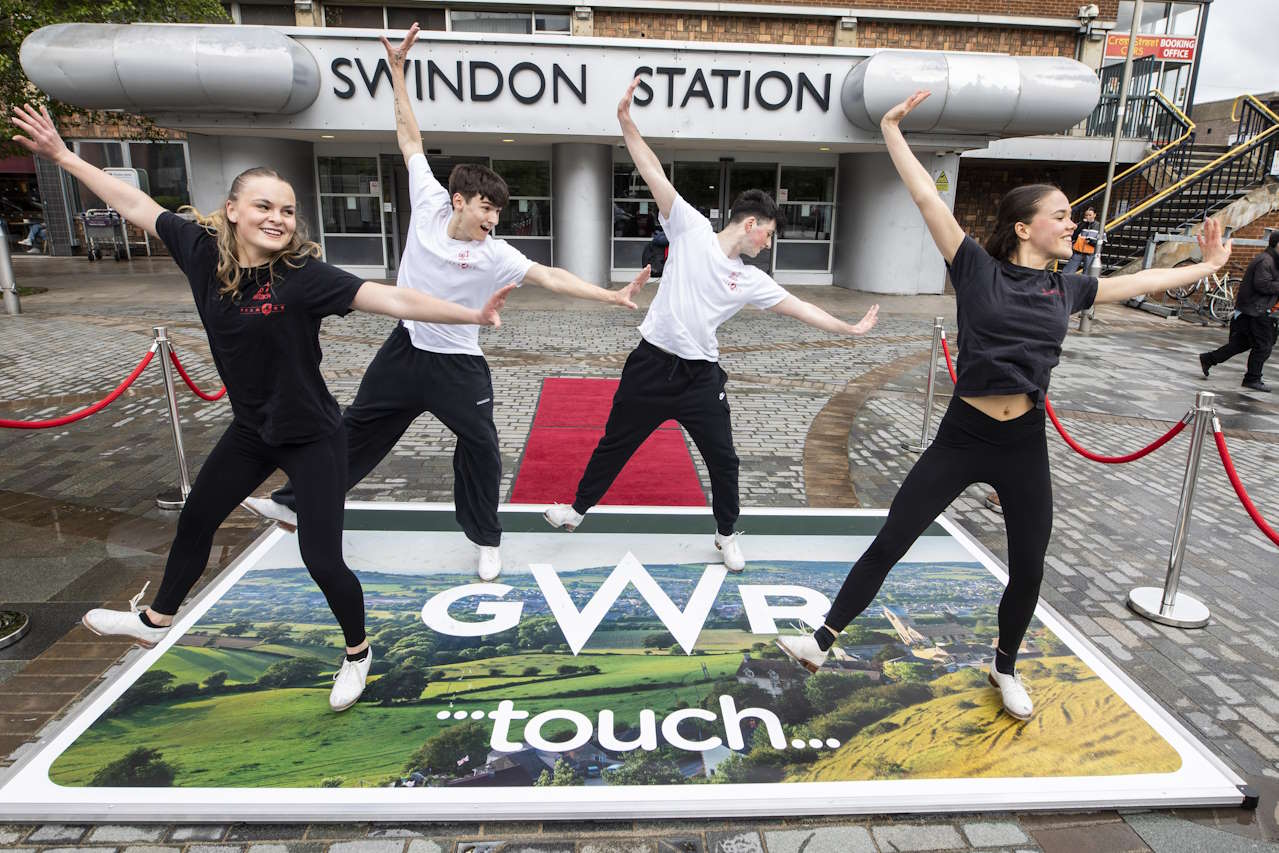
(1167,606)
(938,329)
(13,626)
(171,499)
(8,284)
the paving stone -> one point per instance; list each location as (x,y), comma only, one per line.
(1116,837)
(266,832)
(620,845)
(114,833)
(734,842)
(198,832)
(554,846)
(1169,834)
(1002,834)
(841,839)
(56,832)
(928,836)
(136,848)
(215,848)
(13,833)
(424,845)
(368,846)
(681,844)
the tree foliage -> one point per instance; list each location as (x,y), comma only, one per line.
(141,768)
(442,752)
(562,776)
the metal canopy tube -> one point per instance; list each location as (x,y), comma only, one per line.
(938,328)
(155,67)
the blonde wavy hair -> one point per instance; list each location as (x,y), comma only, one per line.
(229,272)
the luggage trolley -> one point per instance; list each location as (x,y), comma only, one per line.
(103,225)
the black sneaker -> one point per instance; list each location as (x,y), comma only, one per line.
(1204,365)
(1257,385)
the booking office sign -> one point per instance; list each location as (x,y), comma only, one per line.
(616,672)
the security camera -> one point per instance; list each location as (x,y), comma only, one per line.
(1088,13)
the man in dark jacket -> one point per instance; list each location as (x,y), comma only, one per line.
(1254,324)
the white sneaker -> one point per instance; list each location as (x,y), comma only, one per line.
(731,547)
(804,651)
(277,512)
(563,515)
(34,250)
(348,683)
(1016,700)
(490,565)
(24,242)
(124,623)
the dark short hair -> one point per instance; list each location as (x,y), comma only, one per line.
(472,179)
(1018,205)
(758,204)
(1090,207)
(1274,238)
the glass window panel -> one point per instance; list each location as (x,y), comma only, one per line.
(351,214)
(549,22)
(347,174)
(627,182)
(1184,20)
(634,218)
(369,17)
(491,22)
(751,176)
(272,15)
(627,254)
(1123,20)
(807,221)
(698,183)
(524,217)
(537,251)
(104,155)
(803,256)
(165,165)
(353,251)
(1154,18)
(403,17)
(808,183)
(525,177)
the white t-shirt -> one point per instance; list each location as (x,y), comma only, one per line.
(701,288)
(466,272)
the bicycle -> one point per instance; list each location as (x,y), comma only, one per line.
(1216,296)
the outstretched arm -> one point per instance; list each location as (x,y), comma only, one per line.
(559,280)
(407,133)
(807,312)
(408,304)
(650,167)
(1119,288)
(940,221)
(41,137)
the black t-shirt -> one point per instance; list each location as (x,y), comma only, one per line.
(1012,321)
(266,343)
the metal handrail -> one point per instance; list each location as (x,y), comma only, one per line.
(1189,131)
(1234,108)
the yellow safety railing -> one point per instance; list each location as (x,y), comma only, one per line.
(1190,129)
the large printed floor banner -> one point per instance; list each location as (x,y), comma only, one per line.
(618,671)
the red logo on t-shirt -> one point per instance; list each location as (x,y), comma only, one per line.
(463,259)
(732,280)
(1053,292)
(264,303)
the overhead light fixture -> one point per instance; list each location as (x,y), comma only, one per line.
(326,136)
(508,139)
(824,148)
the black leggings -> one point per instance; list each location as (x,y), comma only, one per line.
(970,447)
(238,464)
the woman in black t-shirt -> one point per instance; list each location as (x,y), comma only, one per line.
(1012,315)
(261,293)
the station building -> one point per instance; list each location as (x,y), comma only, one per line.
(736,95)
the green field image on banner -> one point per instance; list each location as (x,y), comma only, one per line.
(479,685)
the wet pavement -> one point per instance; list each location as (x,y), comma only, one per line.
(818,421)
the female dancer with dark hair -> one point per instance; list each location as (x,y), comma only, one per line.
(261,293)
(1012,316)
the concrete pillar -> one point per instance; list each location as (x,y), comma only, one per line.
(846,32)
(216,160)
(583,21)
(881,243)
(582,192)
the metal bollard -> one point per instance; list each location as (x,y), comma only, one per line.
(1167,606)
(8,284)
(924,440)
(171,499)
(13,626)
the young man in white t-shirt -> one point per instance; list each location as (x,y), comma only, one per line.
(425,367)
(675,372)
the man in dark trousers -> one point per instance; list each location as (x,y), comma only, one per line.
(1253,326)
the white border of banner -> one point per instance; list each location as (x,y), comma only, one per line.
(26,793)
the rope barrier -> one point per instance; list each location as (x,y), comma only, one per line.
(203,395)
(1239,489)
(1076,446)
(96,407)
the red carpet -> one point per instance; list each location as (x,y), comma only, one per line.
(569,423)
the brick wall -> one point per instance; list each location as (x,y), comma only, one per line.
(1255,230)
(983,182)
(1018,42)
(700,27)
(83,126)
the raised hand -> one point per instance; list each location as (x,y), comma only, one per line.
(626,293)
(396,55)
(899,112)
(867,322)
(624,106)
(490,313)
(41,133)
(1213,250)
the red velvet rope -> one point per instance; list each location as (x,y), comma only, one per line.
(84,413)
(173,356)
(1239,489)
(1076,446)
